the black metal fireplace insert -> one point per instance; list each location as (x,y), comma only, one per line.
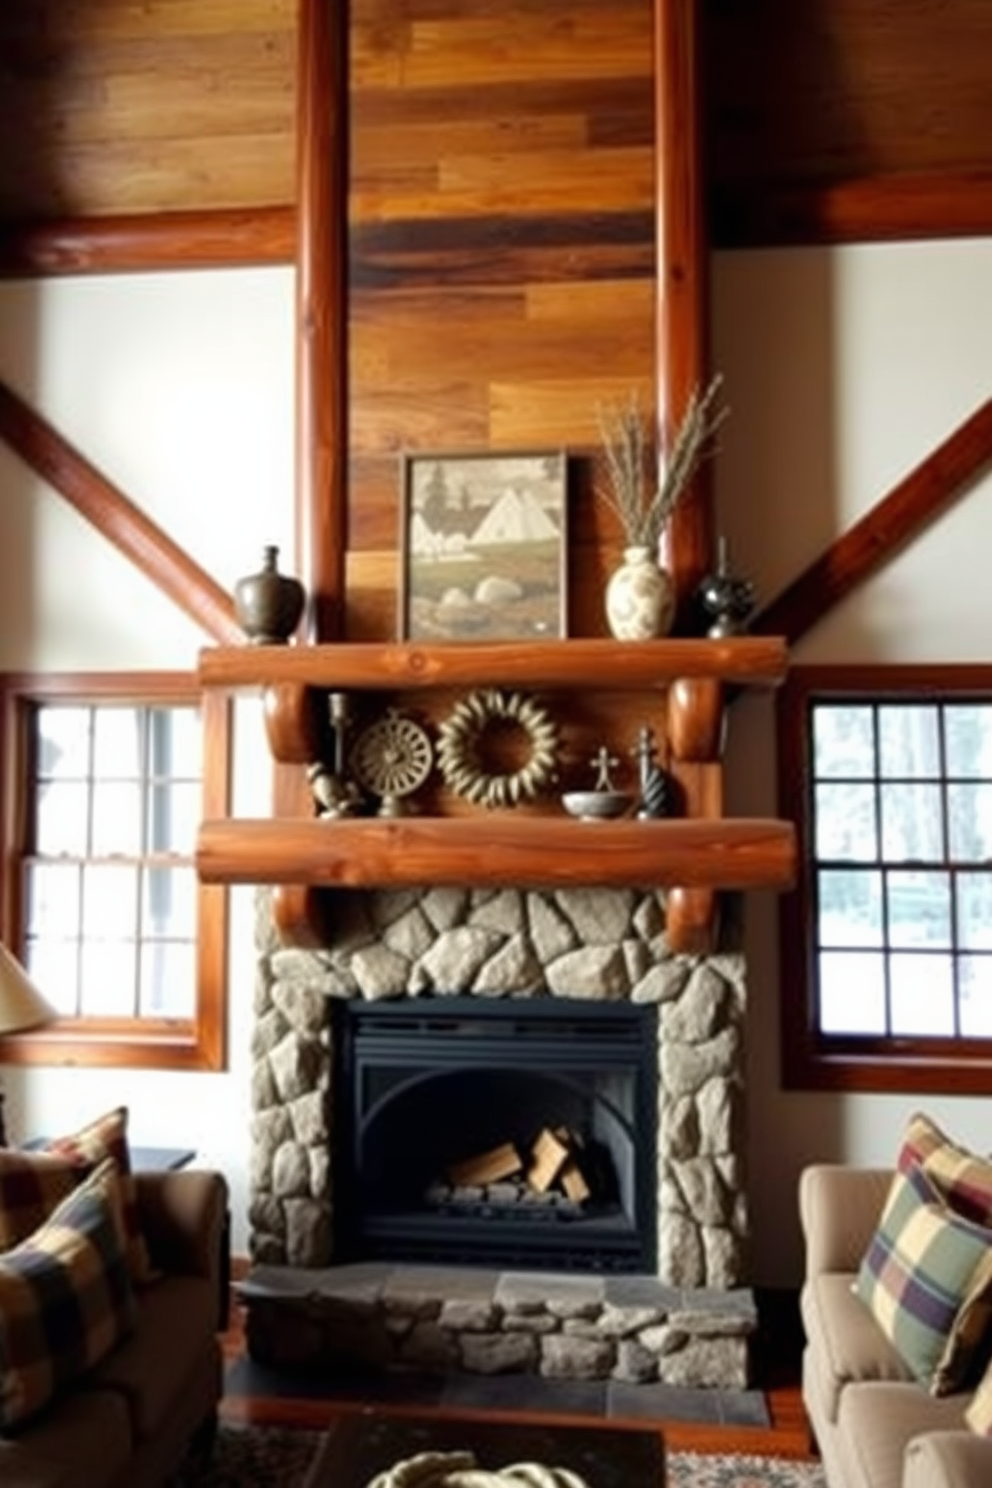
(434,1098)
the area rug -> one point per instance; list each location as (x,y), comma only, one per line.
(693,1470)
(276,1457)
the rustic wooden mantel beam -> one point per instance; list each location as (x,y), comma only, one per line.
(754,661)
(502,850)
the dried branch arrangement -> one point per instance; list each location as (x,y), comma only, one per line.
(623,477)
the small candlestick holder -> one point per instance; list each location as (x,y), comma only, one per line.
(334,794)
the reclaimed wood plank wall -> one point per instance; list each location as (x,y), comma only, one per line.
(502,254)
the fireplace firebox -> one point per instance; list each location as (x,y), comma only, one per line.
(513,1133)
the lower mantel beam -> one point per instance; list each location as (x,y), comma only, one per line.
(500,850)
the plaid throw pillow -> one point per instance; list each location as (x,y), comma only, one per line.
(65,1297)
(964,1180)
(31,1184)
(103,1138)
(979,1412)
(925,1278)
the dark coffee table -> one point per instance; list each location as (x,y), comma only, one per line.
(361,1445)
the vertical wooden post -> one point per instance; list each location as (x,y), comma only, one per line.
(322,312)
(321,367)
(681,278)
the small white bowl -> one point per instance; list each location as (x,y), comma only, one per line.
(596,805)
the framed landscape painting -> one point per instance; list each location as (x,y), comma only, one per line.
(483,547)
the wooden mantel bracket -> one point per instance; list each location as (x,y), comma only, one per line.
(302,916)
(696,736)
(292,723)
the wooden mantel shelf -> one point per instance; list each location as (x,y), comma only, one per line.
(692,857)
(752,661)
(501,851)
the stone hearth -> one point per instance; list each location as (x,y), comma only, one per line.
(631,1330)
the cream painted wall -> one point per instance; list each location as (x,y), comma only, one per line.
(180,389)
(843,370)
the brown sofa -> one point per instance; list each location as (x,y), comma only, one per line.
(128,1421)
(874,1425)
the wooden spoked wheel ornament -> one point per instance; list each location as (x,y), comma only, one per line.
(392,759)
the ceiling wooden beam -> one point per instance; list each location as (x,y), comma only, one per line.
(149,242)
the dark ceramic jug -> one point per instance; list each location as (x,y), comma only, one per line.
(268,604)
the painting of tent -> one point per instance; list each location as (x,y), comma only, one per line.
(483,547)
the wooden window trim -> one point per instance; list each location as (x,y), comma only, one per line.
(199,1043)
(883,1065)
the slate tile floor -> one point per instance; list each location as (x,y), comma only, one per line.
(611,1399)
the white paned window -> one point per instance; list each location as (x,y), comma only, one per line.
(110,886)
(113,776)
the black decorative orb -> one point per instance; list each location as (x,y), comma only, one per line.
(728,602)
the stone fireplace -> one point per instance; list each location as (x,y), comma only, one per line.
(585,945)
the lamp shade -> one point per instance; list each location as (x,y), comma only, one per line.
(21,1004)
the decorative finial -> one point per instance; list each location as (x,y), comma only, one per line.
(655,791)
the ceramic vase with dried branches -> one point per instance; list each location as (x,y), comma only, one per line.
(640,596)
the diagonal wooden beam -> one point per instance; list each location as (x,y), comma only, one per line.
(117,518)
(910,507)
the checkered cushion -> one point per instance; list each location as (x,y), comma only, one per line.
(65,1297)
(979,1412)
(31,1184)
(963,1179)
(925,1277)
(107,1137)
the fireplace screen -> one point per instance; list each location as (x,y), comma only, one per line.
(510,1133)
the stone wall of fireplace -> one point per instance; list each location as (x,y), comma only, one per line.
(586,944)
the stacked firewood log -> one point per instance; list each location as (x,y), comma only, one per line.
(556,1167)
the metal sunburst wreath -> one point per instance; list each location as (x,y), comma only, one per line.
(461,749)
